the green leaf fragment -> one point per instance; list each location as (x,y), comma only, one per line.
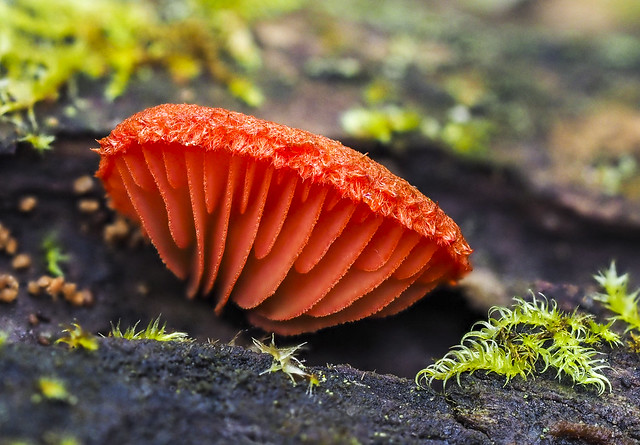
(54,255)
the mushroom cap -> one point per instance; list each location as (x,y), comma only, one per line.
(296,228)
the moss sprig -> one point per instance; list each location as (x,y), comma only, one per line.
(284,360)
(75,336)
(530,338)
(617,298)
(54,255)
(153,331)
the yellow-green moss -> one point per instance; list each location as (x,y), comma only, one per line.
(617,298)
(380,123)
(284,360)
(153,332)
(535,336)
(526,340)
(55,389)
(75,336)
(54,255)
(44,44)
(463,133)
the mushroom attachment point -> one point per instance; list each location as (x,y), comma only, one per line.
(295,228)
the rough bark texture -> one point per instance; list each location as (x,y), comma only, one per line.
(150,392)
(530,201)
(158,393)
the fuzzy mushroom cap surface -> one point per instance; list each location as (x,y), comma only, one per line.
(296,228)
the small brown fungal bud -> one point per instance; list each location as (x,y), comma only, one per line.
(80,298)
(21,261)
(5,234)
(33,319)
(44,281)
(116,231)
(142,288)
(87,297)
(34,288)
(88,205)
(44,340)
(55,286)
(8,288)
(11,247)
(27,204)
(8,295)
(83,184)
(69,290)
(75,299)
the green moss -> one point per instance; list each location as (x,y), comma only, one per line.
(45,44)
(634,342)
(284,360)
(54,255)
(69,440)
(468,138)
(244,89)
(51,388)
(617,298)
(76,337)
(535,336)
(381,123)
(461,132)
(153,332)
(529,339)
(612,175)
(41,142)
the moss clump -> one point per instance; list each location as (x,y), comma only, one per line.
(77,337)
(529,339)
(51,388)
(153,332)
(464,134)
(381,123)
(44,44)
(617,298)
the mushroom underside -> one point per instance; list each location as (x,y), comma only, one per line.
(296,254)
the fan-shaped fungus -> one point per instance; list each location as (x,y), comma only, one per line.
(298,229)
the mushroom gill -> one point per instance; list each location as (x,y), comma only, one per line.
(297,229)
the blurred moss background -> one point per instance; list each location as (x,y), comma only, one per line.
(551,88)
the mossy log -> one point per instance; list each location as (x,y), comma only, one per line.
(150,392)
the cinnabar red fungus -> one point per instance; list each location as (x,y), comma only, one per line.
(299,230)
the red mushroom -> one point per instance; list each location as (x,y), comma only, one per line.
(298,229)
